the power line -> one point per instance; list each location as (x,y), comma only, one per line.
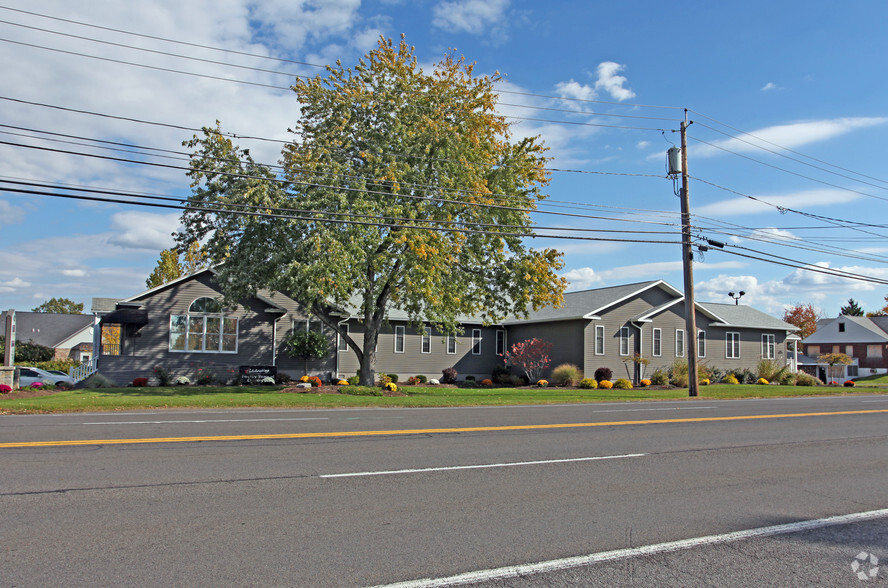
(320,66)
(317,185)
(328,220)
(760,162)
(787,149)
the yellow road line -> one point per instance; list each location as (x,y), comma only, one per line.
(420,431)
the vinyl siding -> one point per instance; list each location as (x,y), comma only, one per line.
(148,347)
(413,362)
(566,338)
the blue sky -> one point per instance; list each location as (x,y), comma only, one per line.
(604,84)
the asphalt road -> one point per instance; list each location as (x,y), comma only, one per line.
(372,497)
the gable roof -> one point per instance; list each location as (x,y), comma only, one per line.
(858,329)
(588,304)
(265,296)
(46,328)
(742,316)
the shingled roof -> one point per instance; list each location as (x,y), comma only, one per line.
(46,328)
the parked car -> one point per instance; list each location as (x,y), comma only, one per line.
(28,375)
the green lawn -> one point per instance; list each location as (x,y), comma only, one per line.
(872,381)
(109,399)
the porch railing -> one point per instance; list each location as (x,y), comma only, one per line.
(84,370)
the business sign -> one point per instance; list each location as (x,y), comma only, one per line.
(253,374)
(9,348)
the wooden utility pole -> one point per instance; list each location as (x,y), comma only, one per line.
(687,262)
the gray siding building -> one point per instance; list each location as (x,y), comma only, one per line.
(181,327)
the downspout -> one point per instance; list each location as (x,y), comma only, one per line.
(274,339)
(636,374)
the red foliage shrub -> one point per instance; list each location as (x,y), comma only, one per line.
(140,382)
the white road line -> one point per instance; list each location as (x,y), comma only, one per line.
(584,560)
(866,401)
(480,466)
(656,409)
(204,421)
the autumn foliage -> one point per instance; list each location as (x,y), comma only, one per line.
(531,355)
(804,316)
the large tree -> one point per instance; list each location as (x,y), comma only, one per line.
(60,306)
(403,189)
(172,265)
(804,316)
(851,309)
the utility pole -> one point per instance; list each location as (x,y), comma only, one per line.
(687,262)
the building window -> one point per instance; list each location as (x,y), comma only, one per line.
(111,339)
(343,344)
(657,343)
(874,351)
(399,339)
(701,343)
(849,350)
(205,329)
(501,342)
(853,371)
(476,341)
(732,345)
(624,340)
(451,344)
(814,350)
(599,339)
(426,340)
(841,327)
(837,349)
(768,347)
(679,343)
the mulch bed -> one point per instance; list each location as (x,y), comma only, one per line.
(329,390)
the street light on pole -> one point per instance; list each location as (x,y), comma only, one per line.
(737,297)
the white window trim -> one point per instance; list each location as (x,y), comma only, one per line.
(729,344)
(769,346)
(624,340)
(500,342)
(476,341)
(399,332)
(657,341)
(679,349)
(222,318)
(425,345)
(599,329)
(341,343)
(451,338)
(701,343)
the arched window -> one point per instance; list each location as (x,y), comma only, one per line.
(205,329)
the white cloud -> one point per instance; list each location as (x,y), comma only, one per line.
(806,199)
(581,279)
(769,86)
(607,80)
(613,84)
(575,90)
(13,285)
(586,277)
(143,230)
(74,273)
(9,214)
(469,16)
(293,22)
(644,145)
(791,136)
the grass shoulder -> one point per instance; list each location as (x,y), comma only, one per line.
(215,397)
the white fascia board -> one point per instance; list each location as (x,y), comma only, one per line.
(167,285)
(665,285)
(646,318)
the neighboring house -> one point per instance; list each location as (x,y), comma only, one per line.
(180,327)
(863,339)
(70,336)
